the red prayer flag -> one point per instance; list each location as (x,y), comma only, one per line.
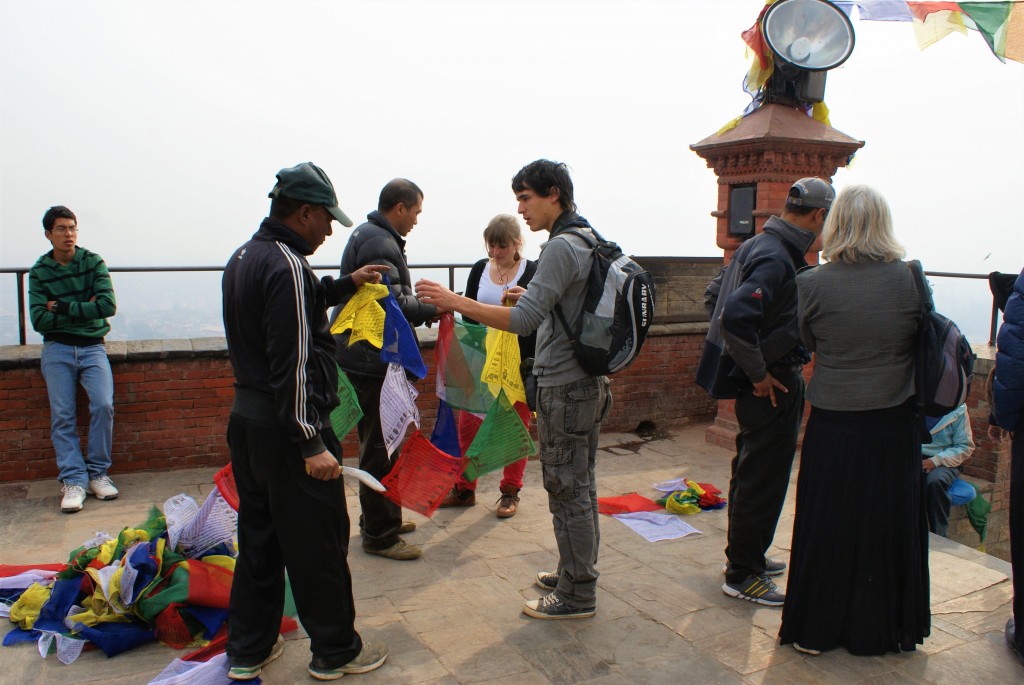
(422,476)
(625,504)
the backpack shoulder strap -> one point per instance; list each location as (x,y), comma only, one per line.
(927,304)
(592,244)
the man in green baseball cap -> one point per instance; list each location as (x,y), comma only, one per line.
(307,182)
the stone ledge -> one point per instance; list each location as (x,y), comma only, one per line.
(119,351)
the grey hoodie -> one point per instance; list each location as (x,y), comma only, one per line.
(562,272)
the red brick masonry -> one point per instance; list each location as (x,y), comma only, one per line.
(172,399)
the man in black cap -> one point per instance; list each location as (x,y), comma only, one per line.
(753,354)
(284,454)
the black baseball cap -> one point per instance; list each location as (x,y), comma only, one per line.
(307,182)
(811,192)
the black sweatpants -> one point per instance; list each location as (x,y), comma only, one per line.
(288,520)
(380,518)
(765,447)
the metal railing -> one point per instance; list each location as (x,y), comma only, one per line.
(20,274)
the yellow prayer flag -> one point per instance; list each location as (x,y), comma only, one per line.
(501,366)
(937,25)
(363,315)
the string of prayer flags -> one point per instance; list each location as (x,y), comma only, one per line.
(475,363)
(397,406)
(400,345)
(623,504)
(446,431)
(422,476)
(501,365)
(363,315)
(501,440)
(348,412)
(461,353)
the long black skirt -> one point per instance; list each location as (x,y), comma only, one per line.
(859,564)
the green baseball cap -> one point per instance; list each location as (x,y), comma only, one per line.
(307,182)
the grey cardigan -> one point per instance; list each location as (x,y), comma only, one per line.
(861,322)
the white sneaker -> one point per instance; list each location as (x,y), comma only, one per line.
(102,488)
(74,497)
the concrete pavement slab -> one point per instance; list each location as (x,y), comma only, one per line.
(454,616)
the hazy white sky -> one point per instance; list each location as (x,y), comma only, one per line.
(162,124)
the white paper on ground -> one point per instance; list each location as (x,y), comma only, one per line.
(654,526)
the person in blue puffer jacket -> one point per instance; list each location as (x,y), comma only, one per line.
(1007,412)
(952,444)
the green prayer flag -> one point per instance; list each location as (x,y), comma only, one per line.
(990,18)
(464,367)
(347,414)
(501,440)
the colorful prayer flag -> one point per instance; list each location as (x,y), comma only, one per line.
(397,406)
(422,476)
(501,440)
(348,412)
(363,315)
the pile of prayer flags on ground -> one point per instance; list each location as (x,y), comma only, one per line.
(118,593)
(695,498)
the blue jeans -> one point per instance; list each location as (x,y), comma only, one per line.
(568,423)
(64,367)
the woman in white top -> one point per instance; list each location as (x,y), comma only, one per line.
(489,282)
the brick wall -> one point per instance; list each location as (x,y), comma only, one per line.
(172,399)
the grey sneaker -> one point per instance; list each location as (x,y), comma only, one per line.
(547,580)
(253,672)
(370,657)
(772,567)
(757,589)
(103,488)
(74,498)
(551,607)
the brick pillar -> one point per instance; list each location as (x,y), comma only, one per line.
(770,149)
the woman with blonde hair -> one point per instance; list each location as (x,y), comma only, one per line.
(493,281)
(859,562)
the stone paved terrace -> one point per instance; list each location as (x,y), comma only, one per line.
(454,616)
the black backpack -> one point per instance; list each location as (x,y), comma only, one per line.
(618,308)
(945,362)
